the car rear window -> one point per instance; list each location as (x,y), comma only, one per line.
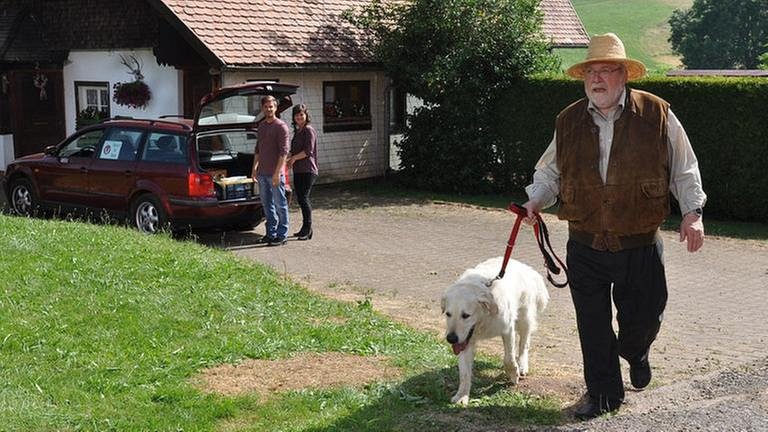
(166,148)
(236,109)
(222,145)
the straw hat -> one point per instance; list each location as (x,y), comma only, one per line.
(607,48)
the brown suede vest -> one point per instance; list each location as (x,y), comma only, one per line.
(628,209)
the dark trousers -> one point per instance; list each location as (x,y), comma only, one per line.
(302,186)
(636,279)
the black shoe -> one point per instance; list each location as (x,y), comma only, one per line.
(640,373)
(304,236)
(266,240)
(597,406)
(277,241)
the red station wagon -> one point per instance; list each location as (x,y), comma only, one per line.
(162,173)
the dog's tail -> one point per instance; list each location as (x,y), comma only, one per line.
(542,295)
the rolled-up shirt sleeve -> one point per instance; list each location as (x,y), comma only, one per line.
(684,177)
(546,178)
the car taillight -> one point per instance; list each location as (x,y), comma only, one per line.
(200,185)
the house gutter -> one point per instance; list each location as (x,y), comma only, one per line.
(314,67)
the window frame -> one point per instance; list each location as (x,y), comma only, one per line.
(349,123)
(81,86)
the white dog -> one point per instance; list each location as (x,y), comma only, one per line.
(508,308)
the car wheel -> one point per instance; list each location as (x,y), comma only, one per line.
(22,197)
(148,215)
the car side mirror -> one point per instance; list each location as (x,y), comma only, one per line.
(50,150)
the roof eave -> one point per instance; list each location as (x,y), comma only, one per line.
(319,67)
(189,36)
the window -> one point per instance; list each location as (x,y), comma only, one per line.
(83,145)
(346,106)
(120,144)
(164,147)
(225,145)
(91,102)
(397,109)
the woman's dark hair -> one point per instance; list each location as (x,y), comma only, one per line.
(299,109)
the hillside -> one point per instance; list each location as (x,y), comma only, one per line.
(641,24)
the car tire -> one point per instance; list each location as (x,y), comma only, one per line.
(22,198)
(148,215)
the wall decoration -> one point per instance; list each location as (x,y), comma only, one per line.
(41,81)
(135,94)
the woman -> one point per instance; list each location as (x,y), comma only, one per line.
(303,160)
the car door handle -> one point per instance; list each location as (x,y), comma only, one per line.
(128,173)
(83,170)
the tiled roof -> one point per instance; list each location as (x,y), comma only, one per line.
(562,24)
(280,33)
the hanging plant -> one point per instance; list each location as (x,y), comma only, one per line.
(135,94)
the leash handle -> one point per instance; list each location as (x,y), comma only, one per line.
(542,240)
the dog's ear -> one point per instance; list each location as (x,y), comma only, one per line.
(488,303)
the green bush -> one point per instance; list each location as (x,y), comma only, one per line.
(725,119)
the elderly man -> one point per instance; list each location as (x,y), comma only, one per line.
(615,157)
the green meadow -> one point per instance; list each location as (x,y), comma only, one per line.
(641,24)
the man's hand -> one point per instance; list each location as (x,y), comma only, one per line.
(532,207)
(692,229)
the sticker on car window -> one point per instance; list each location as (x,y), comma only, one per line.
(110,149)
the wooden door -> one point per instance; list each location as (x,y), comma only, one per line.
(197,83)
(37,104)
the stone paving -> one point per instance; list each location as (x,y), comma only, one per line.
(403,253)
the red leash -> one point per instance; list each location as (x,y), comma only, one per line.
(542,239)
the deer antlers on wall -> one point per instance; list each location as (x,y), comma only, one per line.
(134,66)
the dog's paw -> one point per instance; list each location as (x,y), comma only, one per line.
(513,373)
(460,399)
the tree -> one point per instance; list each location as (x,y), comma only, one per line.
(455,55)
(716,34)
(443,49)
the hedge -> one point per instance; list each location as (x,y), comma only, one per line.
(472,149)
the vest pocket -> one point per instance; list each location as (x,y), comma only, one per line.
(654,189)
(568,209)
(653,205)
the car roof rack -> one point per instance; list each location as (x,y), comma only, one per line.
(150,121)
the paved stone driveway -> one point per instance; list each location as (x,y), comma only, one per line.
(403,253)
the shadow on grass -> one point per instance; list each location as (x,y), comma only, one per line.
(422,403)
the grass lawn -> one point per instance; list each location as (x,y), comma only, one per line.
(102,328)
(641,24)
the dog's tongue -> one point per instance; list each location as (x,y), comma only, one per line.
(459,347)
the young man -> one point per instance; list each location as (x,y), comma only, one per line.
(615,157)
(271,151)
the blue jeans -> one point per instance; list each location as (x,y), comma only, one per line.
(275,206)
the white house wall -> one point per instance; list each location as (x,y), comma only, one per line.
(163,81)
(341,155)
(6,151)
